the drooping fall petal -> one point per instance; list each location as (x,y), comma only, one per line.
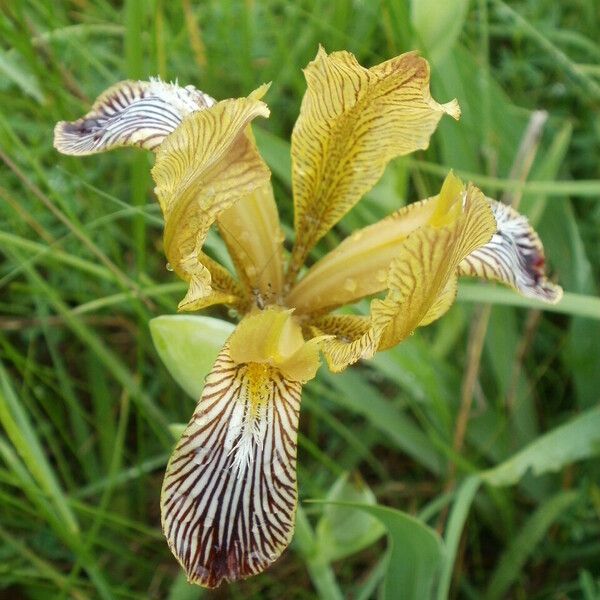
(130,113)
(514,256)
(352,122)
(229,495)
(201,169)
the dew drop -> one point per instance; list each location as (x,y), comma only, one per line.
(350,284)
(169,267)
(382,275)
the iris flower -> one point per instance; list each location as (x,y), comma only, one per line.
(229,494)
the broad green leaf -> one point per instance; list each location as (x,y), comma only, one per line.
(415,551)
(345,531)
(573,441)
(188,345)
(438,24)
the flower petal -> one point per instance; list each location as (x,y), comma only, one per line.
(358,267)
(514,256)
(130,113)
(229,495)
(352,122)
(420,278)
(353,338)
(254,239)
(274,337)
(201,169)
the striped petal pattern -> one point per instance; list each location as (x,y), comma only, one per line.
(352,122)
(229,494)
(420,286)
(206,165)
(514,256)
(130,113)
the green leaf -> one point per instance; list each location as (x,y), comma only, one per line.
(531,534)
(458,515)
(438,24)
(415,553)
(343,531)
(576,440)
(188,345)
(571,304)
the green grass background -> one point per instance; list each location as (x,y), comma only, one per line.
(85,401)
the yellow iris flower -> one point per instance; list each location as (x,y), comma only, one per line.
(229,495)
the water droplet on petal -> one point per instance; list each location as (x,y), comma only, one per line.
(169,267)
(382,275)
(350,285)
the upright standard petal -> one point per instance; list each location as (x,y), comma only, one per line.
(130,113)
(201,169)
(514,256)
(229,495)
(254,239)
(352,122)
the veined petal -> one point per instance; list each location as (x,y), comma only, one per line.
(229,495)
(254,239)
(514,256)
(420,280)
(201,169)
(352,122)
(130,113)
(352,338)
(223,288)
(358,267)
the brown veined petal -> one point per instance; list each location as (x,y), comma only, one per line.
(514,256)
(420,280)
(358,266)
(130,113)
(352,338)
(224,288)
(352,122)
(205,166)
(229,494)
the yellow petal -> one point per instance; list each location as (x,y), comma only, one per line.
(130,113)
(352,338)
(514,256)
(274,337)
(201,169)
(220,286)
(352,122)
(359,266)
(421,278)
(420,285)
(254,239)
(229,495)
